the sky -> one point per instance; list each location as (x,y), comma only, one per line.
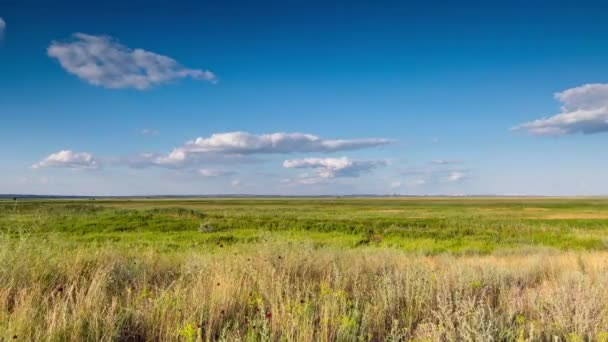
(303,97)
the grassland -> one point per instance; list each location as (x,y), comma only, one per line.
(304,269)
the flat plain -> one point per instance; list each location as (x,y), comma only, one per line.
(304,269)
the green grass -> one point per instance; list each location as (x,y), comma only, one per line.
(427,226)
(303,269)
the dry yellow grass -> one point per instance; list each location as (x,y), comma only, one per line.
(280,292)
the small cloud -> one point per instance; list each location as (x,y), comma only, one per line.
(410,183)
(214,173)
(437,172)
(415,182)
(69,159)
(2,28)
(455,176)
(103,61)
(334,167)
(305,179)
(584,110)
(236,183)
(149,131)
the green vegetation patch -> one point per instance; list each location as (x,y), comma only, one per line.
(427,226)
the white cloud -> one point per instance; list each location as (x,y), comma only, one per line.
(236,183)
(334,167)
(455,176)
(214,173)
(246,143)
(396,184)
(415,182)
(410,183)
(305,179)
(584,110)
(437,172)
(69,159)
(103,61)
(239,144)
(2,28)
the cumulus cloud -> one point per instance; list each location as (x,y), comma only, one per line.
(103,61)
(240,144)
(69,159)
(584,110)
(2,28)
(246,143)
(334,167)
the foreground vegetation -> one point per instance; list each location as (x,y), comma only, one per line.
(304,270)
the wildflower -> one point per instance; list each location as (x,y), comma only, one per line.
(268,315)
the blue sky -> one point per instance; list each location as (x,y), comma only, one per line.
(294,97)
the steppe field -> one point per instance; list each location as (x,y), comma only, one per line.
(304,269)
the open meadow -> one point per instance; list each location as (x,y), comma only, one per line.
(304,269)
